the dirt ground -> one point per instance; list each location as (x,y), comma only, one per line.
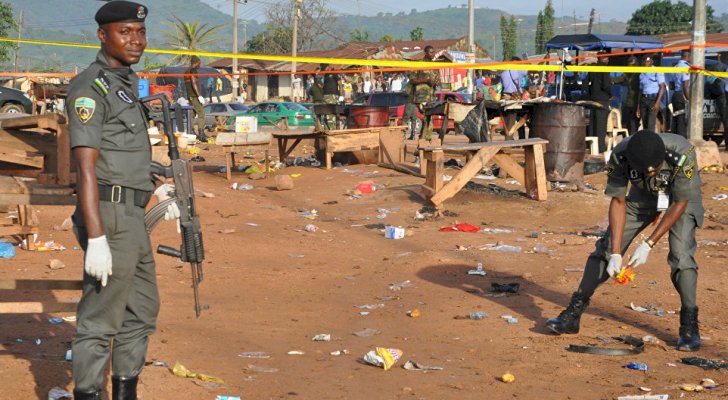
(271,287)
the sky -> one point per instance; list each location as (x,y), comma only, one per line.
(620,10)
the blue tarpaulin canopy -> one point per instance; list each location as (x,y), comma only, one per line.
(600,42)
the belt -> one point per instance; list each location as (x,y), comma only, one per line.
(650,96)
(118,194)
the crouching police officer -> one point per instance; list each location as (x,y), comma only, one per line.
(664,176)
(110,143)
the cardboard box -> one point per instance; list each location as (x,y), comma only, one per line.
(246,124)
(394,232)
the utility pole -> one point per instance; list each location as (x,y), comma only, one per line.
(695,113)
(471,41)
(245,33)
(236,83)
(294,44)
(17,46)
(591,20)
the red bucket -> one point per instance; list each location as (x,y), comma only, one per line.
(168,91)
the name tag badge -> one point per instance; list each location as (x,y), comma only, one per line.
(663,201)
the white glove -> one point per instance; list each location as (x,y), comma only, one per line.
(615,265)
(162,193)
(201,99)
(640,255)
(98,259)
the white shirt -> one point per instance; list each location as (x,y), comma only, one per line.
(296,83)
(367,86)
(396,85)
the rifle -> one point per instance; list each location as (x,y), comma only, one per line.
(191,250)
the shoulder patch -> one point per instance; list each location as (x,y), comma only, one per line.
(689,171)
(85,108)
(102,83)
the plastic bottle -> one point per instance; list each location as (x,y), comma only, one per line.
(241,186)
(505,247)
(477,315)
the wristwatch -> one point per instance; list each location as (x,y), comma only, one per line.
(650,243)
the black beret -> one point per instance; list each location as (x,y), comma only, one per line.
(121,11)
(645,151)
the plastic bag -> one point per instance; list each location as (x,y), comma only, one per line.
(475,125)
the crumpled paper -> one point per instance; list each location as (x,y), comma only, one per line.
(181,371)
(383,357)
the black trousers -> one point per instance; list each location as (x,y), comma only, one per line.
(649,117)
(599,124)
(679,121)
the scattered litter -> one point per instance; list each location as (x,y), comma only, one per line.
(501,247)
(364,313)
(496,230)
(241,186)
(394,232)
(66,225)
(477,271)
(46,246)
(720,197)
(296,353)
(625,276)
(510,319)
(181,371)
(543,249)
(366,332)
(38,342)
(312,214)
(704,363)
(371,306)
(508,378)
(401,285)
(59,394)
(649,339)
(226,231)
(55,320)
(645,389)
(159,364)
(254,354)
(404,254)
(72,318)
(258,368)
(253,224)
(485,177)
(644,397)
(534,235)
(477,315)
(219,397)
(310,228)
(691,387)
(505,287)
(461,228)
(415,366)
(446,178)
(459,247)
(339,352)
(573,269)
(638,366)
(7,250)
(69,355)
(366,187)
(56,264)
(708,383)
(383,357)
(295,255)
(322,337)
(648,309)
(206,195)
(414,313)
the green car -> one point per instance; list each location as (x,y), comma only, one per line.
(277,113)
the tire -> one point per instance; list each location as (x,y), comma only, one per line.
(12,108)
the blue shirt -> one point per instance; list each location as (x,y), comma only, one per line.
(650,82)
(726,80)
(512,78)
(678,79)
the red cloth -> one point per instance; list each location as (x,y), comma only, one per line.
(461,228)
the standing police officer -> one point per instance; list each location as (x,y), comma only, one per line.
(681,95)
(663,173)
(110,143)
(652,88)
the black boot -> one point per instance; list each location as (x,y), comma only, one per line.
(689,333)
(124,388)
(79,395)
(568,320)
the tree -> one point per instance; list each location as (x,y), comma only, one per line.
(189,36)
(539,40)
(7,25)
(661,16)
(548,22)
(504,37)
(387,39)
(316,20)
(417,34)
(512,36)
(358,36)
(273,40)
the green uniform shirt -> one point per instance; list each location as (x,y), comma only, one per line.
(104,113)
(679,176)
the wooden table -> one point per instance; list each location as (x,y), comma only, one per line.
(296,136)
(235,142)
(362,139)
(532,177)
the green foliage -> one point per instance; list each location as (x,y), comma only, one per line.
(548,22)
(539,40)
(7,26)
(191,36)
(417,34)
(274,40)
(662,16)
(388,38)
(358,36)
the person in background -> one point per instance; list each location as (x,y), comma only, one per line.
(348,89)
(420,91)
(395,84)
(297,84)
(379,85)
(600,91)
(367,86)
(210,88)
(512,90)
(108,131)
(631,102)
(317,87)
(680,85)
(309,83)
(662,175)
(725,113)
(192,85)
(652,88)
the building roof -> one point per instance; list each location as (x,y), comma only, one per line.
(684,38)
(599,41)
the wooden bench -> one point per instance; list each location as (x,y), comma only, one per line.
(235,142)
(284,150)
(361,139)
(532,177)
